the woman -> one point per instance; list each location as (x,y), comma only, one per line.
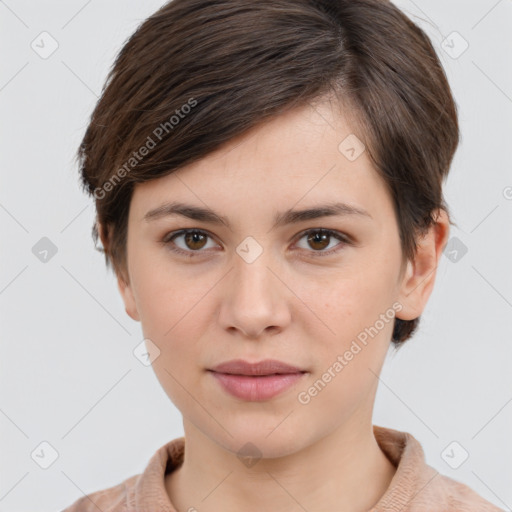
(268,183)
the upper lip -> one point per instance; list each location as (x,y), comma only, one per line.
(265,367)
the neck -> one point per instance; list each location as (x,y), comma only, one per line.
(345,470)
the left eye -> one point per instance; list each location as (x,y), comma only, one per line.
(195,240)
(319,240)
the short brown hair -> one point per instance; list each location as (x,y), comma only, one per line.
(198,73)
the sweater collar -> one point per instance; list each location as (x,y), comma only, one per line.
(401,448)
(412,473)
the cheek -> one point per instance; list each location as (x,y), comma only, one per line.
(358,311)
(172,312)
(162,294)
(348,361)
(352,301)
(173,305)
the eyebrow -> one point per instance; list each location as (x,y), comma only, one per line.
(280,219)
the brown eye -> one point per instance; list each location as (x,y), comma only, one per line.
(320,239)
(190,241)
(195,240)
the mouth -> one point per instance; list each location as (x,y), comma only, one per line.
(256,381)
(257,388)
(266,367)
(256,376)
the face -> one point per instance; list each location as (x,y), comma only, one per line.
(318,292)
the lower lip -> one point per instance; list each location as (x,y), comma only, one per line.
(257,388)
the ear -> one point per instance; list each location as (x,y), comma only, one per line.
(123,282)
(419,276)
(130,305)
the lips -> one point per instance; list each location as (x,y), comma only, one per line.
(265,367)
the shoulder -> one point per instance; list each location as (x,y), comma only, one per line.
(144,489)
(417,486)
(112,499)
(456,496)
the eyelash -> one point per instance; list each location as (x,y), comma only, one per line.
(169,238)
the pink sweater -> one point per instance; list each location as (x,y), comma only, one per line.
(415,487)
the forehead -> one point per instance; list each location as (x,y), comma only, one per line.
(297,159)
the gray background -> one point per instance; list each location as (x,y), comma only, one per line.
(68,374)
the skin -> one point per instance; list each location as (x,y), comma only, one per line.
(289,304)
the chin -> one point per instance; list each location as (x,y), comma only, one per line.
(255,443)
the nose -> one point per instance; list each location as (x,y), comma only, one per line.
(254,298)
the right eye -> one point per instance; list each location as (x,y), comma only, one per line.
(194,240)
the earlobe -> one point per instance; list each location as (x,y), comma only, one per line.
(122,282)
(419,277)
(128,299)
